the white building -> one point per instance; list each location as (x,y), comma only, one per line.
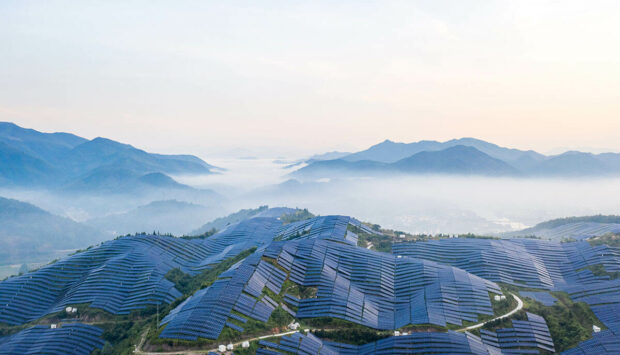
(245,344)
(222,348)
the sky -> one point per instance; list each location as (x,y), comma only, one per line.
(286,78)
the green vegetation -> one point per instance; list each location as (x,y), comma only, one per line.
(187,284)
(562,221)
(123,332)
(204,235)
(471,235)
(503,306)
(569,322)
(380,242)
(599,270)
(352,336)
(299,215)
(610,239)
(298,290)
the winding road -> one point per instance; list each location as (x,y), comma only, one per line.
(515,310)
(138,348)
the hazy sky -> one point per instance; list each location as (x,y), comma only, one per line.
(299,77)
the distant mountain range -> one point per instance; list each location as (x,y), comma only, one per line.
(242,215)
(68,162)
(169,216)
(466,156)
(29,233)
(571,228)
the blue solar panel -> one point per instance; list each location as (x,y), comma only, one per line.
(605,342)
(66,339)
(545,298)
(127,273)
(520,262)
(375,289)
(415,343)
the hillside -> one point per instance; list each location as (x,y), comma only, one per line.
(455,160)
(572,228)
(170,216)
(32,158)
(390,152)
(263,211)
(462,156)
(459,159)
(254,278)
(31,234)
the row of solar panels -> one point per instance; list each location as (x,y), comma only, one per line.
(520,262)
(128,273)
(416,343)
(75,338)
(374,289)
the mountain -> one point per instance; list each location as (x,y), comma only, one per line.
(44,146)
(19,168)
(29,233)
(577,164)
(571,228)
(111,179)
(242,215)
(390,152)
(480,158)
(32,158)
(169,216)
(262,276)
(455,160)
(102,151)
(459,159)
(329,168)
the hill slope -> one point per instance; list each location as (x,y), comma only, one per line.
(29,233)
(454,160)
(32,158)
(168,216)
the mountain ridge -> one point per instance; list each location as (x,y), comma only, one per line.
(483,158)
(56,160)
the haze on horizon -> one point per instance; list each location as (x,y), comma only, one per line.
(301,78)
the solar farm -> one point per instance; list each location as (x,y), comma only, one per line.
(424,297)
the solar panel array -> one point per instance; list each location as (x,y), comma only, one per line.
(239,289)
(254,232)
(72,338)
(525,337)
(578,230)
(323,227)
(415,343)
(545,298)
(126,273)
(604,300)
(521,262)
(380,290)
(375,289)
(605,342)
(439,282)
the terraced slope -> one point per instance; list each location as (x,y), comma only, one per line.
(78,339)
(313,270)
(577,230)
(370,288)
(519,262)
(126,273)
